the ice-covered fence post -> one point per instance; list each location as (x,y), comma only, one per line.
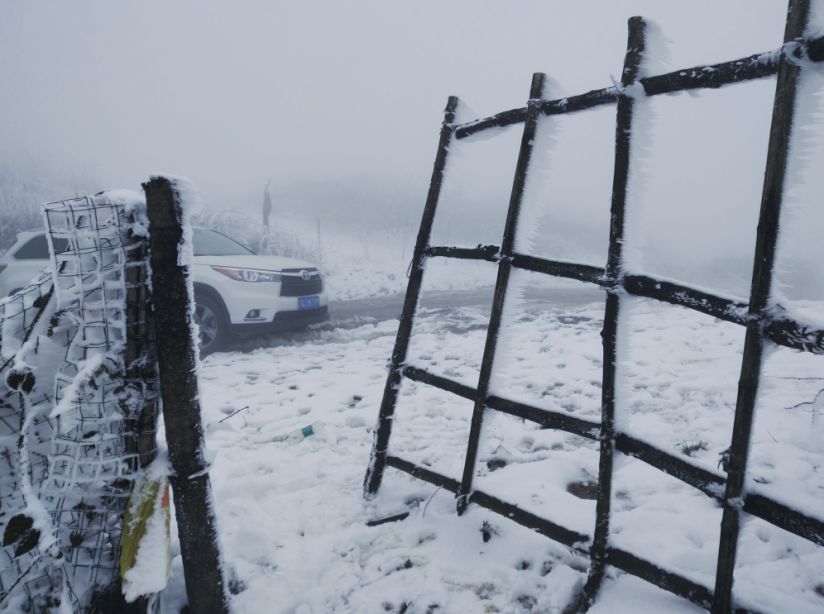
(504,268)
(177,360)
(141,378)
(140,361)
(766,238)
(613,278)
(374,473)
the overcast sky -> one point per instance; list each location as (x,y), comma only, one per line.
(340,102)
(230,93)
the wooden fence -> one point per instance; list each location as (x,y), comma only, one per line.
(762,321)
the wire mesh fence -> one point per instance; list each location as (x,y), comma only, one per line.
(764,320)
(20,554)
(78,409)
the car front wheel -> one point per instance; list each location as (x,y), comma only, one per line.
(214,330)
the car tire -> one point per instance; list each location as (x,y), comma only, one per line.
(211,319)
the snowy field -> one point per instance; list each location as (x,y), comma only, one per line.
(357,269)
(293,521)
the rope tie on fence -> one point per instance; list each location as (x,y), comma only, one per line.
(796,52)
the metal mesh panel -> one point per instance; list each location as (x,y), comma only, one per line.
(78,407)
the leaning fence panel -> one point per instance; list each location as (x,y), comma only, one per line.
(763,320)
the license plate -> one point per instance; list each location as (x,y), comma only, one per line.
(308,302)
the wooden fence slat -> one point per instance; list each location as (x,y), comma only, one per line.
(377,461)
(766,239)
(501,284)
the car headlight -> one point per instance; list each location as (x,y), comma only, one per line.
(249,275)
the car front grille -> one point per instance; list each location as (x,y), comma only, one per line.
(292,282)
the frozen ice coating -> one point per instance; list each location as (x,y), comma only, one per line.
(799,254)
(692,216)
(538,184)
(134,203)
(657,55)
(565,211)
(815,24)
(188,201)
(475,192)
(64,391)
(152,567)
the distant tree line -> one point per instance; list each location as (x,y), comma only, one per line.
(26,182)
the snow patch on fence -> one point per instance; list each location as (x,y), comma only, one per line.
(63,392)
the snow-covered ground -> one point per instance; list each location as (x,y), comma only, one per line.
(293,521)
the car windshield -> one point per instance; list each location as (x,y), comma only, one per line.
(37,248)
(211,243)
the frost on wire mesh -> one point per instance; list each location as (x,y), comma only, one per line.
(74,436)
(20,314)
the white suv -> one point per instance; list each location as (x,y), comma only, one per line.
(236,291)
(24,260)
(240,292)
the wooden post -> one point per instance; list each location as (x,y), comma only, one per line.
(501,285)
(380,446)
(140,359)
(177,361)
(140,424)
(778,151)
(613,280)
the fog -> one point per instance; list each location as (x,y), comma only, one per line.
(339,103)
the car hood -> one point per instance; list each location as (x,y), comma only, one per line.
(251,261)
